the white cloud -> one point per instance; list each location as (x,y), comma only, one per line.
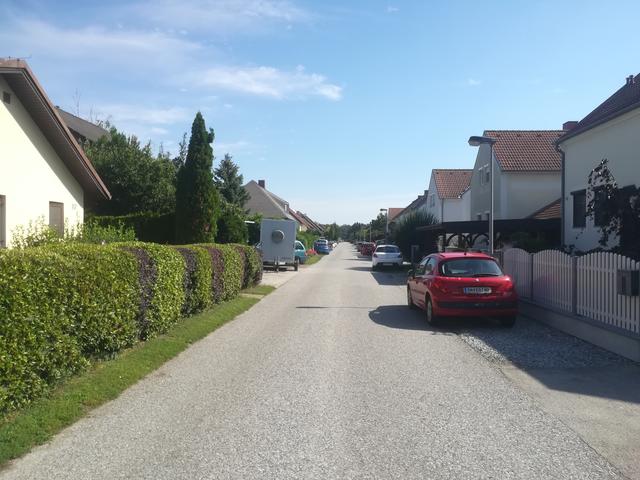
(268,82)
(219,15)
(126,114)
(392,9)
(472,82)
(96,44)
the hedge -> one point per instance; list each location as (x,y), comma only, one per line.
(62,305)
(148,226)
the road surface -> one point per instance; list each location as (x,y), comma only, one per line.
(331,376)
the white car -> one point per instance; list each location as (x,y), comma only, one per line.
(386,255)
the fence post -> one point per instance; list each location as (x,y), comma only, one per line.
(574,285)
(531,276)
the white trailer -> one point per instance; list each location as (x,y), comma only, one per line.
(277,239)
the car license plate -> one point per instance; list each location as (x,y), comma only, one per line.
(477,290)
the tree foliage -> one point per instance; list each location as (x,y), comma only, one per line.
(615,210)
(197,199)
(138,180)
(231,226)
(405,233)
(229,182)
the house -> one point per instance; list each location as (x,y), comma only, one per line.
(269,205)
(415,205)
(448,200)
(527,173)
(45,173)
(262,201)
(82,130)
(609,132)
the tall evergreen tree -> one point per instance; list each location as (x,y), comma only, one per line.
(197,199)
(229,182)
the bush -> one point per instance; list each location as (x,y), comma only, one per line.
(231,226)
(233,271)
(161,275)
(64,304)
(103,297)
(34,234)
(198,279)
(37,343)
(93,232)
(147,226)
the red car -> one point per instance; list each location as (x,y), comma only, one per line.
(367,249)
(462,284)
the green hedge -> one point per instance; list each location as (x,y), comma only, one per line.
(148,226)
(62,305)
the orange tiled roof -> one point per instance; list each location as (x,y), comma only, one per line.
(526,150)
(551,210)
(451,183)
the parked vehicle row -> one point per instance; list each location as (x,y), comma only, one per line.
(386,255)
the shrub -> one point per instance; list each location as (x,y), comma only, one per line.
(35,233)
(252,265)
(147,226)
(232,272)
(197,279)
(103,297)
(231,226)
(161,273)
(93,232)
(37,343)
(217,271)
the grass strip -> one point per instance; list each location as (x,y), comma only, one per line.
(313,259)
(259,290)
(105,380)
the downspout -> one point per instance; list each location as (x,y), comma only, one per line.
(562,199)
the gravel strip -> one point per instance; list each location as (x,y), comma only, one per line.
(531,344)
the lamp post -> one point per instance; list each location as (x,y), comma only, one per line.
(386,227)
(476,142)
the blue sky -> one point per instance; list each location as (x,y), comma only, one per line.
(342,107)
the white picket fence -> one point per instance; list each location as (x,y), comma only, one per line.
(583,286)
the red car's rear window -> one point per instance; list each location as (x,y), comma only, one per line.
(470,267)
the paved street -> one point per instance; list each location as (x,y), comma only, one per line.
(331,376)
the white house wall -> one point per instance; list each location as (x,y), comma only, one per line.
(481,192)
(436,208)
(523,193)
(32,173)
(616,141)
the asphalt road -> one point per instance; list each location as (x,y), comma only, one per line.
(331,376)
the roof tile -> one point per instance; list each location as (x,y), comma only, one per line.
(526,150)
(451,183)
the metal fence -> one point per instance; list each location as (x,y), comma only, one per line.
(583,286)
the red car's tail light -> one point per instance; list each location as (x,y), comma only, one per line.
(441,285)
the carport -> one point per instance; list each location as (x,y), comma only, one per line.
(469,232)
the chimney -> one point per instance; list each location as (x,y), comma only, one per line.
(570,125)
(630,80)
(262,184)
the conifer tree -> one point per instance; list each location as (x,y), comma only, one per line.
(197,199)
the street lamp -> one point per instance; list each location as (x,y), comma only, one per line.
(476,142)
(386,227)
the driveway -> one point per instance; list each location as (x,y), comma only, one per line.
(331,376)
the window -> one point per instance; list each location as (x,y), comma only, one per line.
(428,270)
(420,268)
(387,249)
(579,209)
(487,176)
(470,267)
(481,174)
(3,222)
(56,217)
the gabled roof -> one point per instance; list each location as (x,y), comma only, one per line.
(34,99)
(394,212)
(314,225)
(262,201)
(82,127)
(450,183)
(526,150)
(625,99)
(417,203)
(552,210)
(298,218)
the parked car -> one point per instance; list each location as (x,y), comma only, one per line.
(462,285)
(389,255)
(367,249)
(321,246)
(300,251)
